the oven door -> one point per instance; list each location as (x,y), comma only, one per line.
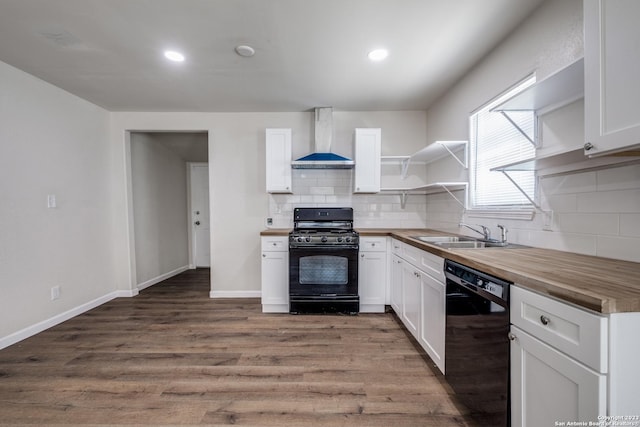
(323,271)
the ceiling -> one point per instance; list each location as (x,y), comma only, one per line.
(308,53)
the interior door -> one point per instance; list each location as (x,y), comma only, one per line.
(201,233)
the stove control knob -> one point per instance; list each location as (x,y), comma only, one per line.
(348,239)
(299,239)
(339,239)
(324,239)
(308,239)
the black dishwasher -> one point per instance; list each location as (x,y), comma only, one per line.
(477,343)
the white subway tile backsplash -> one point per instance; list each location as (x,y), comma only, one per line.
(623,201)
(590,223)
(626,177)
(567,184)
(595,213)
(630,225)
(625,248)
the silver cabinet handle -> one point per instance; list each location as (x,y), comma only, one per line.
(361,255)
(264,255)
(544,320)
(512,337)
(588,146)
(197,223)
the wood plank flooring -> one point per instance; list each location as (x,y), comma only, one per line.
(172,356)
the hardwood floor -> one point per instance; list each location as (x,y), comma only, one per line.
(173,356)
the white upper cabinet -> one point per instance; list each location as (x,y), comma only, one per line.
(612,70)
(368,145)
(278,160)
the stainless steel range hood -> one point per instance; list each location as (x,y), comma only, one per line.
(322,157)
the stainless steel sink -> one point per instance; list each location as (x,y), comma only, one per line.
(437,240)
(462,242)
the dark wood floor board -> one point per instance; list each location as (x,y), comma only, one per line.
(173,356)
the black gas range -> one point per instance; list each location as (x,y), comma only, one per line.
(323,262)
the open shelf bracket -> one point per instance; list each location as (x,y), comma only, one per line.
(518,128)
(524,193)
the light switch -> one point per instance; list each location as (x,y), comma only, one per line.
(51,201)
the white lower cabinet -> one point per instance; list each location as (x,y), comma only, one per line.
(432,327)
(372,274)
(275,274)
(411,298)
(558,362)
(548,387)
(395,288)
(417,295)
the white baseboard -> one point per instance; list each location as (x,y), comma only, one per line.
(235,294)
(55,320)
(162,277)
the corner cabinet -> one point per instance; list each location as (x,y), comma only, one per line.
(612,68)
(278,160)
(367,149)
(275,274)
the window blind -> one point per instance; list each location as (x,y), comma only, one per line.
(496,142)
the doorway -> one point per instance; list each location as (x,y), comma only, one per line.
(199,210)
(160,195)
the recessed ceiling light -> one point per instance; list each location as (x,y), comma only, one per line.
(246,51)
(174,56)
(378,54)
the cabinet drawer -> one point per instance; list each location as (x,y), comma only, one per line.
(575,332)
(396,247)
(433,265)
(411,254)
(275,243)
(373,244)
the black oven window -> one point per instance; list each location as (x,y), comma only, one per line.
(324,270)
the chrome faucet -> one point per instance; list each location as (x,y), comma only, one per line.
(503,233)
(485,230)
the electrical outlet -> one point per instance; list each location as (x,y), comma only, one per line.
(51,201)
(55,293)
(547,220)
(269,222)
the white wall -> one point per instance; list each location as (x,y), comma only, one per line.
(159,191)
(51,142)
(597,212)
(403,133)
(239,202)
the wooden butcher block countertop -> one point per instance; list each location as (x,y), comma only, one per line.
(600,284)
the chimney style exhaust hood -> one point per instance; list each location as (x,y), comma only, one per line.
(323,158)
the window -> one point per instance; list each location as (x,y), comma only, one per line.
(495,141)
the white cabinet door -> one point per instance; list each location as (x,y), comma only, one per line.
(395,298)
(411,300)
(372,274)
(432,328)
(372,270)
(612,67)
(278,160)
(548,388)
(275,275)
(367,151)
